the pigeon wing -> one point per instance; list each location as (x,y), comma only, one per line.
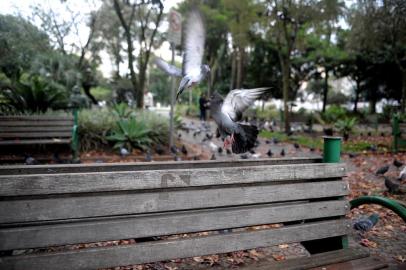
(169,69)
(193,43)
(238,100)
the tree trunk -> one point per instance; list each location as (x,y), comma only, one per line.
(140,91)
(233,64)
(130,48)
(286,81)
(403,105)
(239,67)
(357,92)
(372,106)
(86,89)
(325,89)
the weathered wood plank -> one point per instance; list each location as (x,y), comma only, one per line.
(29,134)
(171,200)
(39,141)
(164,250)
(112,167)
(36,117)
(36,128)
(24,123)
(321,259)
(114,181)
(370,263)
(165,224)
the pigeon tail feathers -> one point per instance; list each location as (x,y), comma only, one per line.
(245,140)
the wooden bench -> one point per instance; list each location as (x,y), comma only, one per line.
(38,129)
(398,129)
(47,206)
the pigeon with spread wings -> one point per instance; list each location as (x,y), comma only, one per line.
(227,112)
(193,71)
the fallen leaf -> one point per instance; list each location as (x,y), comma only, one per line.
(400,258)
(278,257)
(368,243)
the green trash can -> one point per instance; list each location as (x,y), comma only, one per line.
(332,149)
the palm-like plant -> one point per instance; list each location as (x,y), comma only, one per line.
(130,134)
(35,95)
(345,126)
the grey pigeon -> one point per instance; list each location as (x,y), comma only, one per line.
(269,153)
(283,152)
(392,187)
(402,174)
(397,163)
(227,112)
(124,152)
(382,170)
(366,224)
(30,160)
(213,157)
(193,71)
(148,156)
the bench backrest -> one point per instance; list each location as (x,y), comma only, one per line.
(56,207)
(32,127)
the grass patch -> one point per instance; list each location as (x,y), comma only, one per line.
(317,143)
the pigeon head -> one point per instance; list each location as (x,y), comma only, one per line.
(216,98)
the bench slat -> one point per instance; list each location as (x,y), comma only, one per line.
(37,129)
(36,117)
(112,167)
(162,200)
(28,134)
(165,224)
(36,123)
(164,250)
(114,181)
(43,141)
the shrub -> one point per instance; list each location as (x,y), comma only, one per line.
(131,133)
(94,126)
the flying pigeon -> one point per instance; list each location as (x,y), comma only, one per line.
(193,71)
(227,112)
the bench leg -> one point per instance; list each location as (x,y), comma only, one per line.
(327,244)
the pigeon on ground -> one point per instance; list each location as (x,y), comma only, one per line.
(392,187)
(296,145)
(148,156)
(227,112)
(228,152)
(213,157)
(244,156)
(252,151)
(275,140)
(159,150)
(267,141)
(283,152)
(382,170)
(269,153)
(397,163)
(220,150)
(213,147)
(193,71)
(124,152)
(312,149)
(184,150)
(366,224)
(30,160)
(351,155)
(174,149)
(402,174)
(209,136)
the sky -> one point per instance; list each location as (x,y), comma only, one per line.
(23,7)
